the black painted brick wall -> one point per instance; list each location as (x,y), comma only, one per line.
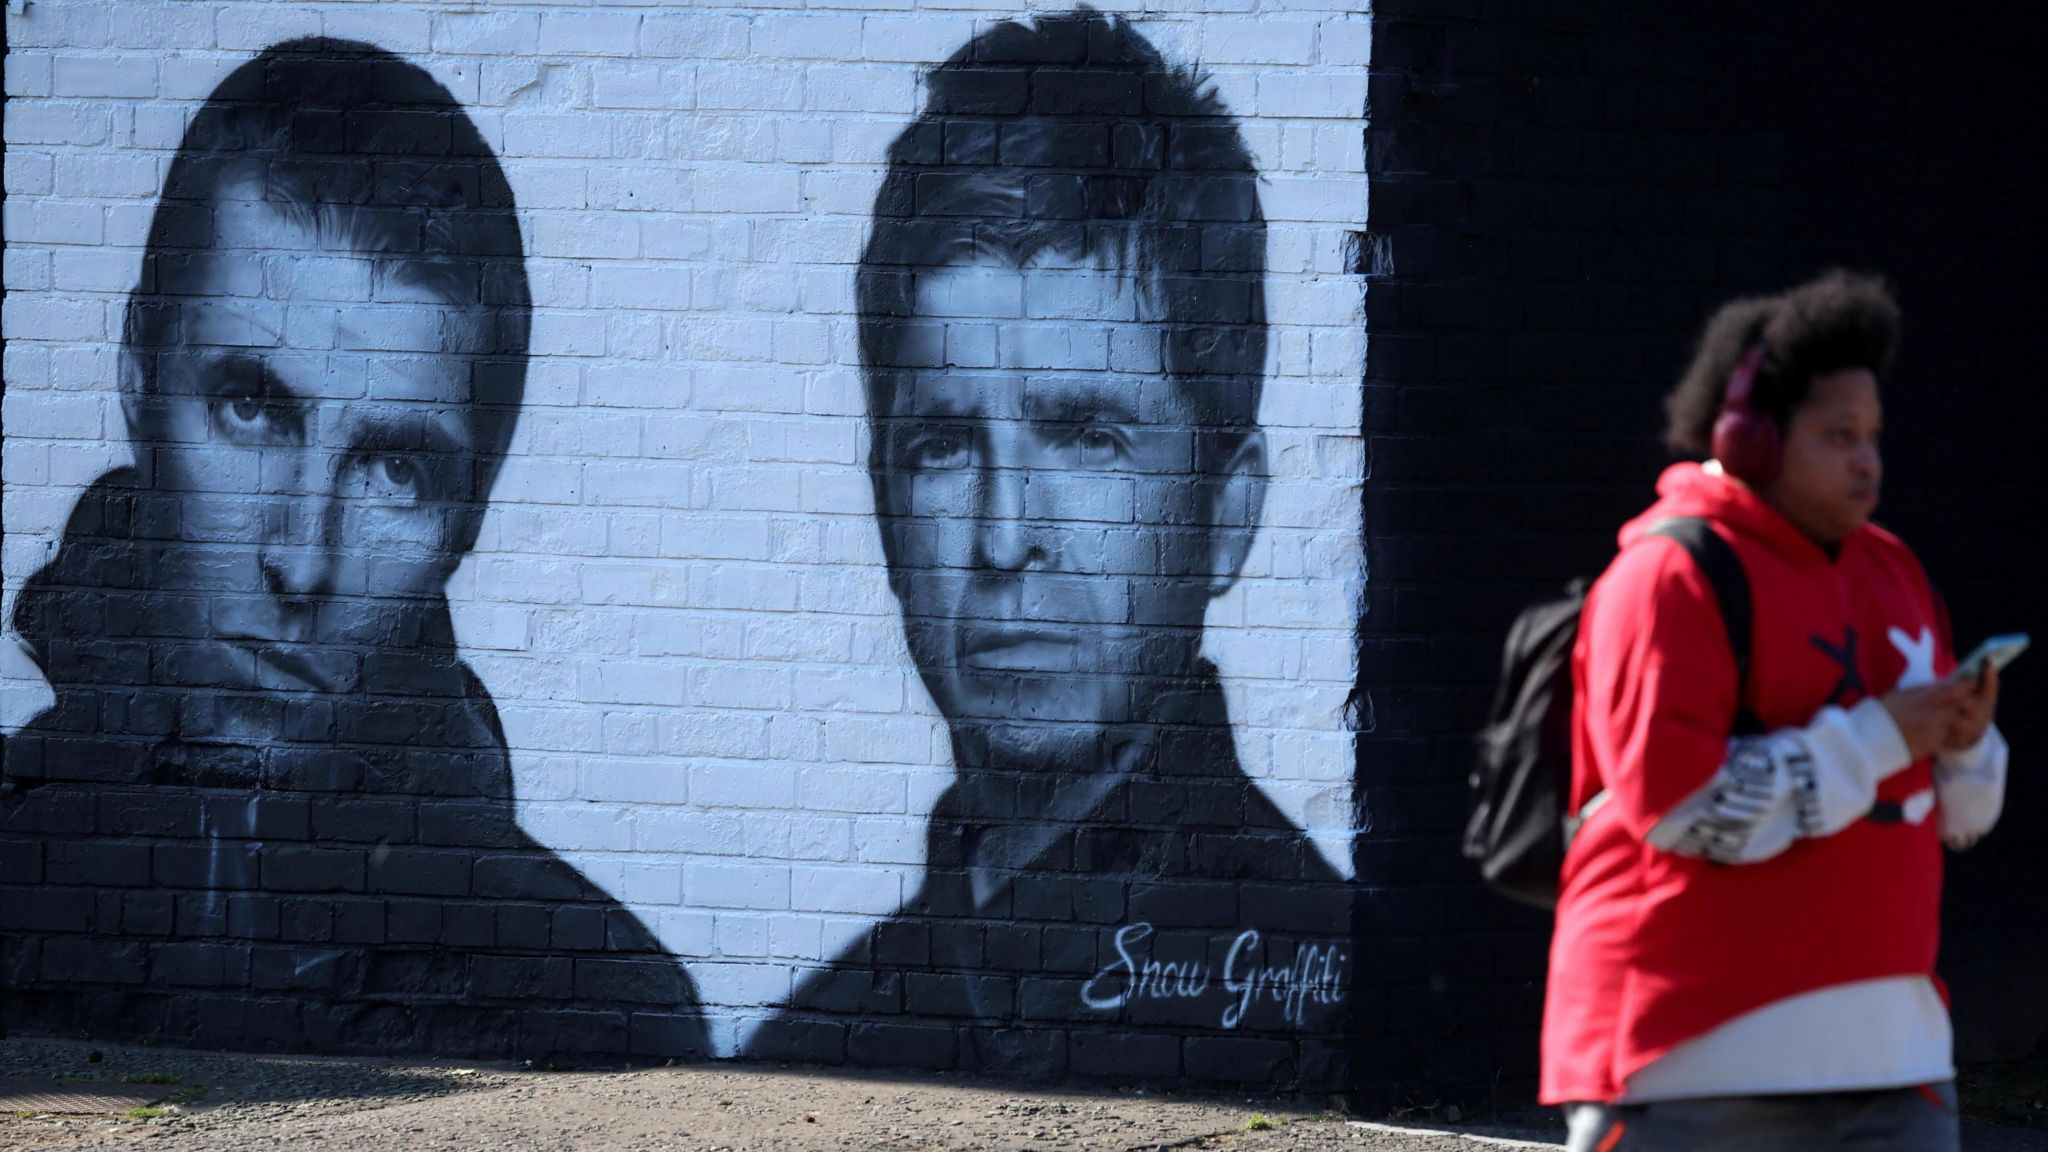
(1560,193)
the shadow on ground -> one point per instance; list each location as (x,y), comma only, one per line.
(207,1079)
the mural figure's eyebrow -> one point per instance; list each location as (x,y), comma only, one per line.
(1070,408)
(927,400)
(395,431)
(242,372)
(236,324)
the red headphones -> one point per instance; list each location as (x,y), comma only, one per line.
(1747,441)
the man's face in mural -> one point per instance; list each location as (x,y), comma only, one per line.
(315,442)
(1053,537)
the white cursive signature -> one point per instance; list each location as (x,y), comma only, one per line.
(1315,975)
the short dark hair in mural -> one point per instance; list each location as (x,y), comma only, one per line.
(1062,335)
(270,801)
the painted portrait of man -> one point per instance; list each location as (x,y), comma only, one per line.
(269,789)
(1062,340)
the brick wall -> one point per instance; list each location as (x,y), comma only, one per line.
(677,604)
(1560,194)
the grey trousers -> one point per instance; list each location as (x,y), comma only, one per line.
(1917,1119)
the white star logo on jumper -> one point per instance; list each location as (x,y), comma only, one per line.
(1919,654)
(1916,807)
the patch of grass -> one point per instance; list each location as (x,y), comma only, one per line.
(24,1115)
(152,1078)
(1261,1122)
(146,1112)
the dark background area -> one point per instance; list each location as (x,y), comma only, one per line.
(1560,194)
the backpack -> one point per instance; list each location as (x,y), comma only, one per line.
(1522,776)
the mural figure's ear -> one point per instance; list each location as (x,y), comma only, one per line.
(1237,497)
(875,460)
(464,525)
(134,399)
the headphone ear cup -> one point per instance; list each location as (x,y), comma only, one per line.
(1747,445)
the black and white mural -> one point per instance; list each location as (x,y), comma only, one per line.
(1063,332)
(265,756)
(690,534)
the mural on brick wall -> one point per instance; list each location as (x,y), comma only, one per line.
(1055,522)
(246,632)
(562,558)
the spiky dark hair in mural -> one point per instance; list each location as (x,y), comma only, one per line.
(1072,134)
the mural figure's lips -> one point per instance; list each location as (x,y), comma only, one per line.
(1020,649)
(290,671)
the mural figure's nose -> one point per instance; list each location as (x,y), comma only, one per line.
(299,558)
(1006,540)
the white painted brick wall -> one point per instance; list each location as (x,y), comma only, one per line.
(678,601)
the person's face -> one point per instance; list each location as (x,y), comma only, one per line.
(1050,539)
(311,430)
(1830,480)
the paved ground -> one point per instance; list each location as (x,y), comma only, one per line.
(221,1102)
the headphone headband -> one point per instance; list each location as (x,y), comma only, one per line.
(1742,381)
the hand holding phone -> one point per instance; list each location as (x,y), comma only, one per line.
(1997,652)
(1978,674)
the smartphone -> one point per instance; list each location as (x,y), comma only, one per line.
(1997,652)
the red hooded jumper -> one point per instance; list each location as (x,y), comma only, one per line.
(1654,948)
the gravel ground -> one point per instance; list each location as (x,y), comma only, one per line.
(224,1102)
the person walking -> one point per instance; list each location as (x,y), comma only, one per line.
(1749,909)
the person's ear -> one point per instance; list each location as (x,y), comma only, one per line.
(1237,497)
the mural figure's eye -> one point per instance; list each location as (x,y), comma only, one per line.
(939,448)
(245,417)
(389,477)
(1098,447)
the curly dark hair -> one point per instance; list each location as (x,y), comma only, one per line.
(1836,321)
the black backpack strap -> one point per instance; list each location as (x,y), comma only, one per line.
(1724,572)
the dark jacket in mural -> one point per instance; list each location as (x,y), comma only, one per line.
(1179,926)
(357,882)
